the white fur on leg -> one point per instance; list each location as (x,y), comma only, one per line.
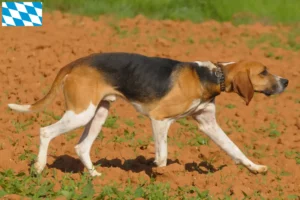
(20,108)
(68,122)
(160,131)
(208,124)
(89,135)
(41,162)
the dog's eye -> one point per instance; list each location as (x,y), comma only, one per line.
(264,73)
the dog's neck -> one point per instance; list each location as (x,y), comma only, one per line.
(221,77)
(213,78)
(225,82)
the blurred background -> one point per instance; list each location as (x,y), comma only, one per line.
(237,11)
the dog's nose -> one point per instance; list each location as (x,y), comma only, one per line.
(284,82)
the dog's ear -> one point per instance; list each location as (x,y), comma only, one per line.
(242,86)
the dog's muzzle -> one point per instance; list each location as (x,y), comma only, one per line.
(284,82)
(281,84)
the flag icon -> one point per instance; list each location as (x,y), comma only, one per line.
(22,13)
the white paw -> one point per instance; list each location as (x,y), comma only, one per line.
(258,168)
(39,167)
(161,163)
(94,173)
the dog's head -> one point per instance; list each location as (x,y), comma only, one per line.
(247,77)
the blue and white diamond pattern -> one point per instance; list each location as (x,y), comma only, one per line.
(22,13)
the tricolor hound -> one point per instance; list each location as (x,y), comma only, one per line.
(160,88)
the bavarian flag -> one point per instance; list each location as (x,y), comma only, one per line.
(22,13)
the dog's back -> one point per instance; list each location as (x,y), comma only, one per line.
(138,77)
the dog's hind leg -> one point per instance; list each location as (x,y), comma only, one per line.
(82,97)
(89,135)
(68,122)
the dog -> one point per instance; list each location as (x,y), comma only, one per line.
(162,89)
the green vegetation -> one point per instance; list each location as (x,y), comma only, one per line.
(289,41)
(196,139)
(293,155)
(230,106)
(234,124)
(239,12)
(151,191)
(111,122)
(189,126)
(51,114)
(190,40)
(122,32)
(21,126)
(70,136)
(27,155)
(271,39)
(129,122)
(39,188)
(128,136)
(255,151)
(272,130)
(270,54)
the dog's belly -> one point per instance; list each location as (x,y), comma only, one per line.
(195,107)
(139,108)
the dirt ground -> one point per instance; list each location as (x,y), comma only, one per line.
(268,130)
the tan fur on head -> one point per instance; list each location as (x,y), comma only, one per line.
(243,86)
(247,77)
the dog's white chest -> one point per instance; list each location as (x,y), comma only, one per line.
(193,107)
(201,106)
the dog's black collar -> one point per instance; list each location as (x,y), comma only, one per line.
(221,78)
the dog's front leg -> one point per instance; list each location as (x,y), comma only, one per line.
(208,124)
(160,132)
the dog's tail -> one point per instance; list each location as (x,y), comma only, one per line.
(42,103)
